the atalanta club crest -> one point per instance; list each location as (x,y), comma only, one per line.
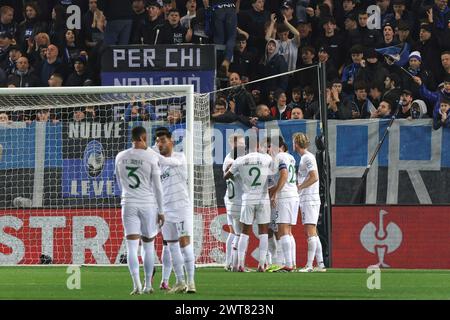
(94,159)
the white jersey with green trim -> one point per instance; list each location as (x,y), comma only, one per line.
(233,195)
(307,164)
(284,160)
(174,180)
(134,169)
(254,170)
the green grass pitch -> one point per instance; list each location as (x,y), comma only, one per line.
(215,283)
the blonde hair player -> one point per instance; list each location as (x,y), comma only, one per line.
(309,205)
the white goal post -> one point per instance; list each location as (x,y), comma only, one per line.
(57,201)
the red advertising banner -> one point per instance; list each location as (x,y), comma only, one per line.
(391,236)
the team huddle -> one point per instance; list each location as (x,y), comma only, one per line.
(264,187)
(155,197)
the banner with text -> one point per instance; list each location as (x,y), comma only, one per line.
(160,65)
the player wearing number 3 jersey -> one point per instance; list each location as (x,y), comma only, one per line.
(138,175)
(253,169)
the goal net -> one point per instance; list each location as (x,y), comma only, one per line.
(59,201)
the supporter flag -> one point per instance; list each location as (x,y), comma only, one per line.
(399,54)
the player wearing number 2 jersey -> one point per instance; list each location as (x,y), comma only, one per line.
(137,173)
(254,170)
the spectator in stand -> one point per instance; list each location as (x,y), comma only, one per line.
(445,61)
(191,6)
(3,78)
(272,64)
(22,76)
(149,32)
(288,48)
(167,5)
(350,24)
(406,100)
(72,48)
(415,69)
(392,87)
(305,30)
(287,10)
(359,104)
(428,47)
(172,32)
(198,26)
(57,26)
(384,110)
(297,113)
(56,80)
(296,98)
(385,10)
(263,113)
(434,98)
(389,38)
(336,109)
(225,24)
(245,105)
(80,76)
(375,93)
(51,65)
(31,26)
(7,23)
(441,118)
(368,38)
(119,15)
(350,71)
(5,46)
(93,26)
(280,111)
(139,111)
(404,33)
(334,41)
(324,57)
(440,15)
(9,66)
(45,115)
(139,16)
(309,105)
(371,69)
(253,21)
(222,114)
(4,118)
(307,77)
(401,14)
(41,40)
(243,60)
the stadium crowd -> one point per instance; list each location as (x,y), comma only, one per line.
(260,39)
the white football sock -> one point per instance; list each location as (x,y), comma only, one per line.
(148,249)
(242,248)
(263,246)
(279,256)
(319,255)
(189,261)
(234,253)
(177,260)
(133,262)
(272,250)
(166,264)
(287,250)
(293,250)
(312,245)
(229,249)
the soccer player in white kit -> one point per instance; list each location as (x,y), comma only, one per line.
(138,175)
(178,228)
(232,200)
(308,188)
(254,170)
(284,200)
